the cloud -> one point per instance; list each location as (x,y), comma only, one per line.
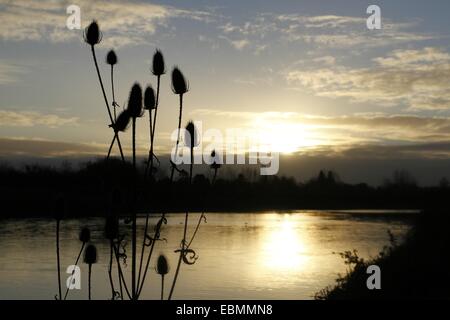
(31,119)
(122,23)
(340,130)
(415,78)
(330,31)
(9,72)
(10,147)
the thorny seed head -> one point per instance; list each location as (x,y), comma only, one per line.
(179,84)
(191,135)
(122,121)
(90,254)
(92,34)
(158,67)
(162,266)
(149,98)
(111,58)
(215,164)
(135,101)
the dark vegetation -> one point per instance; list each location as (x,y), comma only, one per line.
(89,191)
(418,268)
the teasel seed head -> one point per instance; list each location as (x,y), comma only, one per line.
(111,58)
(122,121)
(90,254)
(158,67)
(179,84)
(191,135)
(162,266)
(149,98)
(215,164)
(92,34)
(85,235)
(135,101)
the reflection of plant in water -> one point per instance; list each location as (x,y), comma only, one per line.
(138,102)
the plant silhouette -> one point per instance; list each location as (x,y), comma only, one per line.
(93,36)
(59,215)
(84,237)
(90,258)
(162,268)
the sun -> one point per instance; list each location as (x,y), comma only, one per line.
(282,136)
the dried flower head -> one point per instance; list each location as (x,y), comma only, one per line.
(149,98)
(135,101)
(92,34)
(191,135)
(179,84)
(158,64)
(162,266)
(215,160)
(111,58)
(122,121)
(85,235)
(90,254)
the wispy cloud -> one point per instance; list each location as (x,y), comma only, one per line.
(124,22)
(31,119)
(343,130)
(9,72)
(10,147)
(330,31)
(415,78)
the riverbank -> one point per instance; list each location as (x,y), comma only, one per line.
(418,268)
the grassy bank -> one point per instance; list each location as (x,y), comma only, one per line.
(418,268)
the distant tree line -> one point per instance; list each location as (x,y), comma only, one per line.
(32,190)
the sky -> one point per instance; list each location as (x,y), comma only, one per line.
(308,77)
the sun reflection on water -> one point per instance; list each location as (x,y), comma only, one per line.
(285,248)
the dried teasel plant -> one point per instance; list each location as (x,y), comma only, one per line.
(90,258)
(93,36)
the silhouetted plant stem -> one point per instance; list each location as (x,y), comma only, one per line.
(76,263)
(133,241)
(111,146)
(196,229)
(178,135)
(154,123)
(157,231)
(113,93)
(183,247)
(90,257)
(150,160)
(58,259)
(89,280)
(183,242)
(110,268)
(121,277)
(106,101)
(149,163)
(162,287)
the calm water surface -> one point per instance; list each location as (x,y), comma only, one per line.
(241,256)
